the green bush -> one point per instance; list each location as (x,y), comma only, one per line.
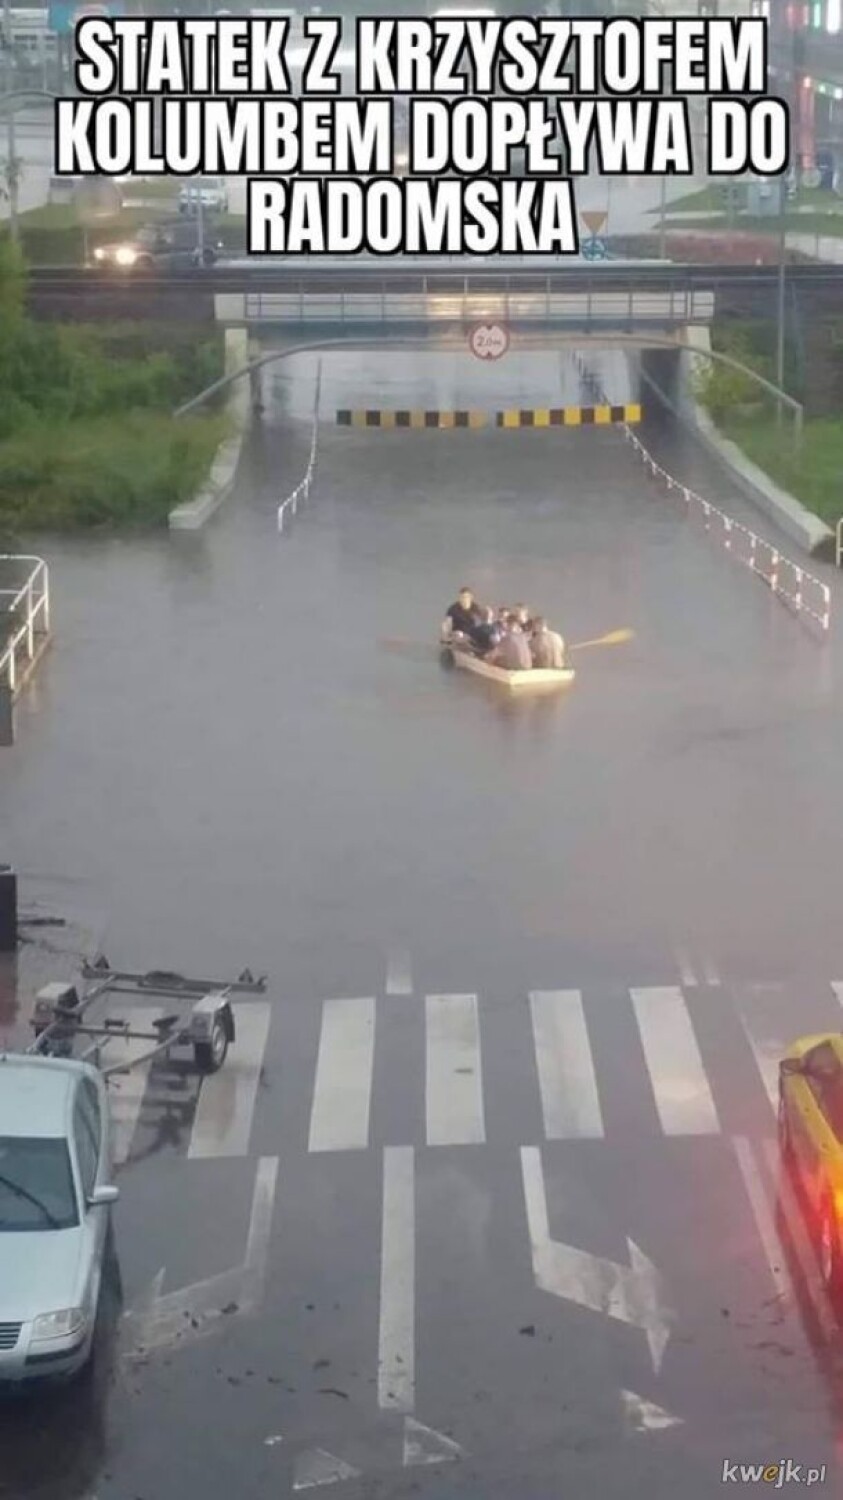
(86,435)
(60,475)
(724,390)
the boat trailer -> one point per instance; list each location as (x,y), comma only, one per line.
(201,1019)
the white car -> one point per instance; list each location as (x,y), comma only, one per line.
(55,1198)
(210,192)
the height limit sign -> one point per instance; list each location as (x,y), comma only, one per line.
(488,340)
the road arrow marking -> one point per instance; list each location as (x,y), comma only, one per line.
(424,1445)
(195,1310)
(646,1416)
(632,1294)
(320,1467)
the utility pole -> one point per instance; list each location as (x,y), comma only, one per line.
(11,140)
(781,307)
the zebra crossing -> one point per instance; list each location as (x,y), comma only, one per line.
(671,1064)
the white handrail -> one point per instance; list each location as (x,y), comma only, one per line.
(302,489)
(29,638)
(787,579)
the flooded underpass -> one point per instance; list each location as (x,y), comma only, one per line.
(486,1198)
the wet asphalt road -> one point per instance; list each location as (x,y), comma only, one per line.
(244,749)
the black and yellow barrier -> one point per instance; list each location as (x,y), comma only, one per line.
(548,416)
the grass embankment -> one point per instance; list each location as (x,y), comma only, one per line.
(817,225)
(813,211)
(711,199)
(56,234)
(811,470)
(86,435)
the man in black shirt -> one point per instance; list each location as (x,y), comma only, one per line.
(464,616)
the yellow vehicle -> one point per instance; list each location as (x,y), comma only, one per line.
(811,1140)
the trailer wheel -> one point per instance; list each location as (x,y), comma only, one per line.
(210,1056)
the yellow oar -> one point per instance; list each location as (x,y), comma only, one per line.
(614,638)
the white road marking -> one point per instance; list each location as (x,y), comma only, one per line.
(397,1339)
(681,1089)
(805,1252)
(342,1093)
(454,1094)
(645,1416)
(763,1034)
(193,1311)
(224,1113)
(570,1101)
(686,973)
(320,1467)
(399,979)
(126,1090)
(424,1445)
(632,1294)
(712,974)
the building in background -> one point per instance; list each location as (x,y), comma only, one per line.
(806,68)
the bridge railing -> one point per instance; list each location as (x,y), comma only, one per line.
(464,300)
(25,614)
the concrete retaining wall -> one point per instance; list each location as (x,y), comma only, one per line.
(220,482)
(672,376)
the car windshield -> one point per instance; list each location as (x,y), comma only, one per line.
(36,1185)
(146,236)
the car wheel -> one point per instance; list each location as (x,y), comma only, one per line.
(829,1248)
(210,1056)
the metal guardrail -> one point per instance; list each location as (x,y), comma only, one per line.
(402,274)
(302,489)
(26,608)
(631,308)
(794,585)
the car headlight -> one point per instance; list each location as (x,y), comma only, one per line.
(125,256)
(59,1325)
(99,253)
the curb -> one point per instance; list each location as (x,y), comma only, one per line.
(798,523)
(219,485)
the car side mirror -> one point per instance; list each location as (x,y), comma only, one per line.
(102,1196)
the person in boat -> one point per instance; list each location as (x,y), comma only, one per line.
(513,652)
(522,615)
(488,634)
(463,617)
(547,647)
